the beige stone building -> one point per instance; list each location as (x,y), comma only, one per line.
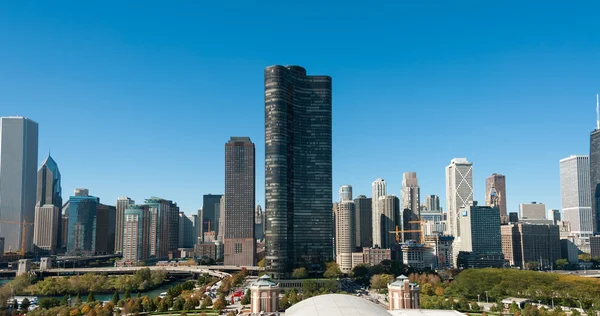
(264,295)
(403,295)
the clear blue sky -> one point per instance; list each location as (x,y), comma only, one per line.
(138,98)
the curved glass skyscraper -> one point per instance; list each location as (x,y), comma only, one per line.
(298,188)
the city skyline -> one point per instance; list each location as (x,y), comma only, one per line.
(437,84)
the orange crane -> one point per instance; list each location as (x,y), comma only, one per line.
(23,233)
(399,232)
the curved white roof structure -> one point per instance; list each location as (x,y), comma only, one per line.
(336,305)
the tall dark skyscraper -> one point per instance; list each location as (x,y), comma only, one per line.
(210,215)
(595,177)
(364,222)
(240,191)
(297,170)
(48,223)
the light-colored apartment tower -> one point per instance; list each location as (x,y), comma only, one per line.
(122,203)
(345,234)
(378,190)
(576,196)
(18,175)
(459,192)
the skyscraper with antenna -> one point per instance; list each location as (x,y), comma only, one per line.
(595,169)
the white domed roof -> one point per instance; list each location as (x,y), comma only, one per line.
(336,305)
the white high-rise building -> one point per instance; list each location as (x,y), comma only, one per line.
(122,203)
(378,190)
(345,234)
(459,192)
(18,180)
(411,199)
(345,193)
(577,196)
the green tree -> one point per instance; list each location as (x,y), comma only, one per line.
(300,273)
(64,301)
(463,304)
(561,264)
(261,263)
(332,271)
(178,304)
(284,303)
(293,297)
(380,281)
(139,295)
(331,286)
(25,303)
(47,303)
(127,295)
(426,289)
(148,304)
(77,300)
(115,298)
(207,302)
(475,307)
(220,304)
(90,298)
(163,307)
(190,304)
(246,299)
(309,286)
(513,307)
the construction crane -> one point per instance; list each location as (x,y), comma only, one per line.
(23,233)
(399,232)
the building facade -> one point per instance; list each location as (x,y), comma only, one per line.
(595,176)
(496,183)
(210,214)
(378,190)
(18,172)
(298,154)
(259,224)
(374,256)
(345,193)
(595,246)
(577,197)
(188,230)
(45,236)
(161,226)
(432,203)
(240,191)
(136,233)
(523,244)
(459,192)
(105,229)
(81,239)
(533,210)
(411,200)
(390,218)
(122,203)
(404,295)
(345,235)
(364,219)
(480,232)
(48,223)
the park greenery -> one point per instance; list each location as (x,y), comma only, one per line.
(310,288)
(185,297)
(494,285)
(143,280)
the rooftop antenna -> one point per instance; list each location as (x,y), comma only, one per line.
(597,113)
